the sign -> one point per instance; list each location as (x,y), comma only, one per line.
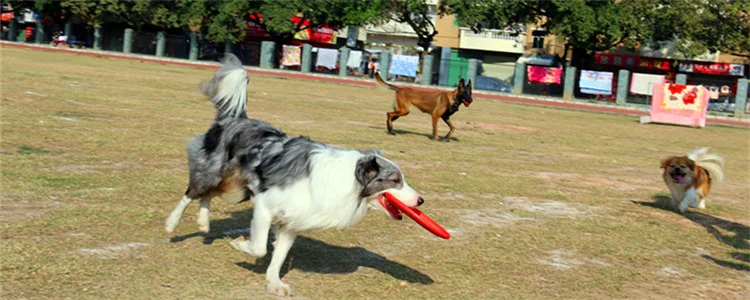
(323,34)
(679,104)
(713,68)
(631,61)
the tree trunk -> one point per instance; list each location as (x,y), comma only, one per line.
(581,59)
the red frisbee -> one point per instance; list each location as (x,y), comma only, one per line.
(419,217)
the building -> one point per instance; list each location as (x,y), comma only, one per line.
(399,37)
(499,49)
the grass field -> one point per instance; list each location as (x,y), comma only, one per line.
(541,203)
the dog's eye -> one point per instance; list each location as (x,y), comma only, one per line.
(397,180)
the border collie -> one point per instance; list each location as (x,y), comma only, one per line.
(297,183)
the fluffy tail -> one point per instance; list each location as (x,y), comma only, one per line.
(384,84)
(713,163)
(228,89)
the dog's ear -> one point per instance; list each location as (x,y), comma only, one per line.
(691,164)
(372,152)
(468,85)
(665,162)
(461,84)
(367,169)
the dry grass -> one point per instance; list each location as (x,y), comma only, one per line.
(542,203)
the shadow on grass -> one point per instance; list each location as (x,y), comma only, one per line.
(426,135)
(307,254)
(737,238)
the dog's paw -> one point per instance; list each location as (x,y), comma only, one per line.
(170,225)
(279,288)
(391,133)
(244,245)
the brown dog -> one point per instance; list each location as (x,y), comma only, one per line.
(437,104)
(689,178)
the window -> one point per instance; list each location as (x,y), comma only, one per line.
(537,38)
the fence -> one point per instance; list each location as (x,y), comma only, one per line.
(434,71)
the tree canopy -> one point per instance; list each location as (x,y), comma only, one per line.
(588,26)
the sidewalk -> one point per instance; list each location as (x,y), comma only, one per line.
(521,99)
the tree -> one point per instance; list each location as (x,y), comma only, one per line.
(415,13)
(701,26)
(589,26)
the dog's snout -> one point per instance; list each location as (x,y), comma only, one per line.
(420,201)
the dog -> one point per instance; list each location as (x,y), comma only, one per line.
(440,105)
(689,178)
(296,182)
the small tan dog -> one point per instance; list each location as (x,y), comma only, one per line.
(689,178)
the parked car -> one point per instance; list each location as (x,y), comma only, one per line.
(492,84)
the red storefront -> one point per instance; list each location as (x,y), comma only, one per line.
(636,65)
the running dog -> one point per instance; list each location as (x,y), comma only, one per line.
(298,183)
(438,104)
(689,178)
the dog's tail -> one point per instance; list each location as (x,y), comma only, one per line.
(228,89)
(379,81)
(713,163)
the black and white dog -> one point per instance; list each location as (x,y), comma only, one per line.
(297,183)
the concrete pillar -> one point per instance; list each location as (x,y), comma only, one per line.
(681,79)
(569,84)
(193,46)
(343,59)
(623,86)
(227,47)
(427,70)
(473,71)
(39,35)
(385,64)
(740,100)
(68,29)
(161,41)
(306,58)
(127,41)
(12,29)
(98,36)
(266,54)
(445,65)
(518,78)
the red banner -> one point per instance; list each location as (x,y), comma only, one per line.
(713,68)
(632,61)
(6,16)
(324,34)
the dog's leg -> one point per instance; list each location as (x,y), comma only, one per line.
(434,127)
(450,124)
(204,215)
(702,204)
(687,200)
(284,240)
(390,117)
(259,227)
(176,215)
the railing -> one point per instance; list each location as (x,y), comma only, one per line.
(491,34)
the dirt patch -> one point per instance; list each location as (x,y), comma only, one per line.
(488,217)
(112,252)
(563,259)
(670,271)
(13,211)
(606,180)
(550,208)
(501,127)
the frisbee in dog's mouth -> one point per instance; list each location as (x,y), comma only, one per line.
(466,103)
(392,210)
